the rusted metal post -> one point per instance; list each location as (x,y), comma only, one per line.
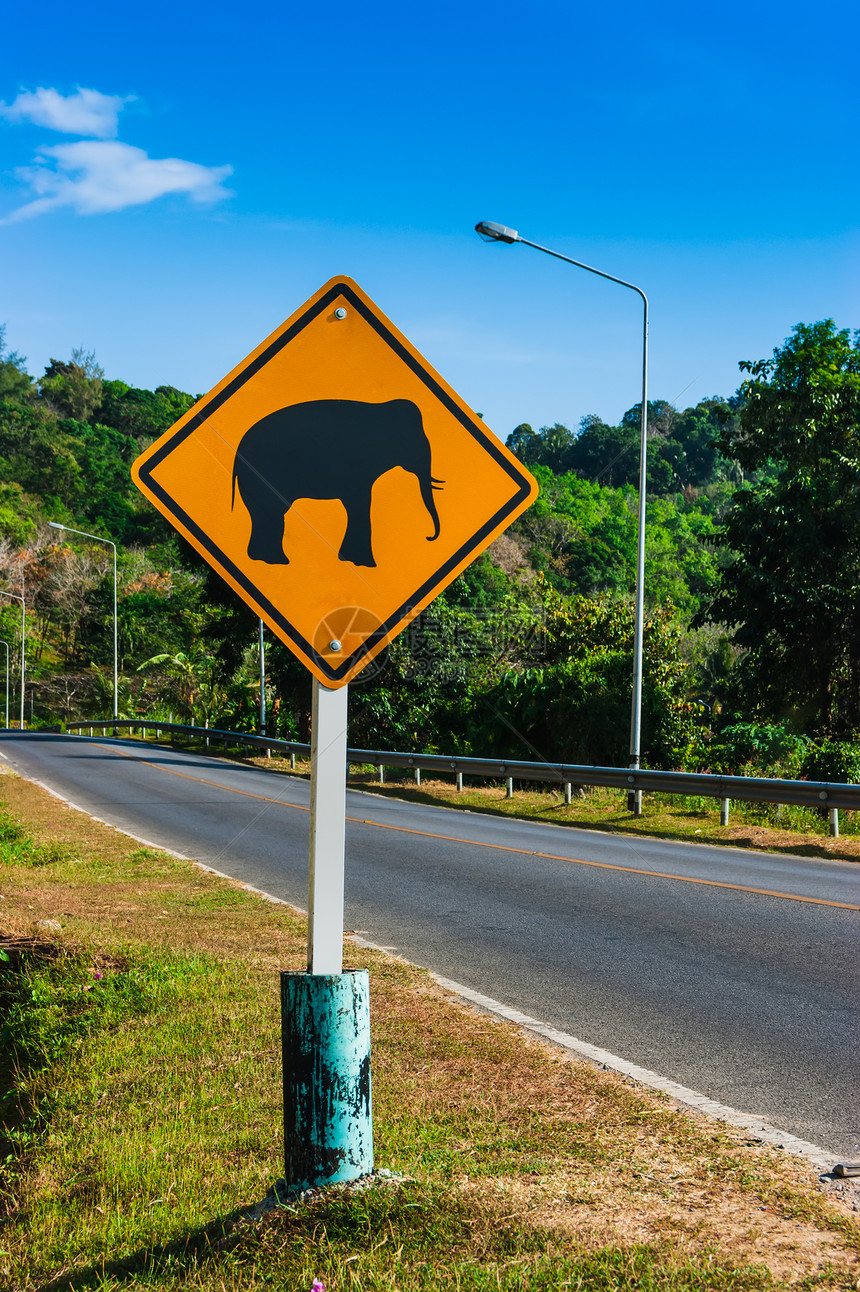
(325,1013)
(328,1122)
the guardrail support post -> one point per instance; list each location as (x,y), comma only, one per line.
(417,775)
(725,804)
(292,760)
(509,792)
(567,793)
(834,823)
(459,782)
(381,770)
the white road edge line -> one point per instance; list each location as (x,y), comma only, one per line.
(754,1126)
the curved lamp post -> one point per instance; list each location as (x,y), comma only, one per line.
(55,524)
(13,595)
(6,644)
(501,233)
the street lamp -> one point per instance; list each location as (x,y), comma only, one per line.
(23,630)
(501,233)
(55,524)
(6,644)
(262,682)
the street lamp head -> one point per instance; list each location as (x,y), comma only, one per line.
(55,524)
(492,232)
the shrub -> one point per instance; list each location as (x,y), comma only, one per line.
(760,748)
(832,760)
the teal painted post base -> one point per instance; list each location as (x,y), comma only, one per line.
(328,1124)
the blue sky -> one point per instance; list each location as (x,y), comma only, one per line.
(175,181)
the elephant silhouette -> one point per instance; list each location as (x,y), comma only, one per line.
(328,448)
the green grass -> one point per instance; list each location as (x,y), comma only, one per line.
(142,1052)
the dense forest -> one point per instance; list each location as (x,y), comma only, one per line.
(752,634)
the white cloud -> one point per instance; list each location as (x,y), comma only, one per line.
(87,112)
(92,177)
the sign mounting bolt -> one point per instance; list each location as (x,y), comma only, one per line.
(340,312)
(335,645)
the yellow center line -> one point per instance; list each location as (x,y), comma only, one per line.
(499,847)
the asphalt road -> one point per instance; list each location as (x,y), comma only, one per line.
(696,962)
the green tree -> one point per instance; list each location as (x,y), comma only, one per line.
(607,455)
(73,389)
(16,384)
(691,451)
(141,414)
(39,455)
(548,447)
(200,685)
(574,704)
(525,442)
(792,591)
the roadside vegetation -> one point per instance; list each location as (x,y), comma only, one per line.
(768,827)
(752,634)
(142,1124)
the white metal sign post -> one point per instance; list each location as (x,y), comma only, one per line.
(328,827)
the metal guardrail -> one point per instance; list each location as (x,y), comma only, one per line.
(759,789)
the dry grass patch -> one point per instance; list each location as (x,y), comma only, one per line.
(605,1163)
(160,1120)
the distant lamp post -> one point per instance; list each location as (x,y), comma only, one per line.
(501,233)
(263,731)
(6,644)
(55,524)
(23,634)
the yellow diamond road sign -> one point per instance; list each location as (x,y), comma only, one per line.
(335,481)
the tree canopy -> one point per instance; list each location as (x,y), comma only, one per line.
(791,593)
(752,579)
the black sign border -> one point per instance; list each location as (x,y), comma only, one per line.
(223,563)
